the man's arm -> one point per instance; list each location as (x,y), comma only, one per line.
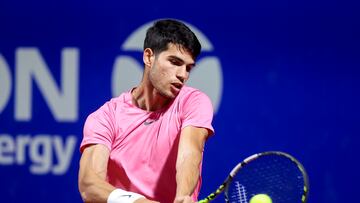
(191,145)
(92,175)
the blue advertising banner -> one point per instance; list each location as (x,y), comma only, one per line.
(281,76)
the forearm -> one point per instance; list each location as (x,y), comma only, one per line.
(187,172)
(93,186)
(93,189)
(101,191)
(191,146)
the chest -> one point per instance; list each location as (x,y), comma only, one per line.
(146,134)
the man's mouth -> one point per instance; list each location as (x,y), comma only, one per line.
(177,85)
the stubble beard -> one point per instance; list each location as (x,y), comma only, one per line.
(160,88)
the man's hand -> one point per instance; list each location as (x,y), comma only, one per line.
(183,199)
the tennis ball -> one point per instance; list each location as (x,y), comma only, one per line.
(261,198)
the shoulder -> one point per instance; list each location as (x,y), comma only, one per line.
(190,94)
(114,104)
(187,91)
(124,98)
(193,100)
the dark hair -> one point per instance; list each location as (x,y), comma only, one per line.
(168,31)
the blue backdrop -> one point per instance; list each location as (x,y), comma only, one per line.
(282,75)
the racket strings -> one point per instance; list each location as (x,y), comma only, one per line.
(238,194)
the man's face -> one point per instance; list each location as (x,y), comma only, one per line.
(171,70)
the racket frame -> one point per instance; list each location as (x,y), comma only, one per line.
(249,159)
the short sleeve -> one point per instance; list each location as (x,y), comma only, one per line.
(99,127)
(198,111)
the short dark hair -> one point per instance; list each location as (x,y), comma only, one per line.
(168,31)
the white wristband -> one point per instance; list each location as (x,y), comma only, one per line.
(122,196)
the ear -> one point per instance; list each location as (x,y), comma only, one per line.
(148,57)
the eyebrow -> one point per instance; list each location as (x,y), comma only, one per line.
(181,60)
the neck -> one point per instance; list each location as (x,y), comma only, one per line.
(147,98)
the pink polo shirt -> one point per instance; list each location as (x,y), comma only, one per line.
(143,145)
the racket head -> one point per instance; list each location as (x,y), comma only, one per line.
(276,174)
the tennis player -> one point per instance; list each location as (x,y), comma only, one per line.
(146,145)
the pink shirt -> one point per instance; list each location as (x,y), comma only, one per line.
(143,145)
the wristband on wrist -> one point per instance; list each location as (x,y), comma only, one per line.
(122,196)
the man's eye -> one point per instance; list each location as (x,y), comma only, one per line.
(175,62)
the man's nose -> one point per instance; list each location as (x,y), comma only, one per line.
(182,74)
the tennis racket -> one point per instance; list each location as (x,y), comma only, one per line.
(272,174)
